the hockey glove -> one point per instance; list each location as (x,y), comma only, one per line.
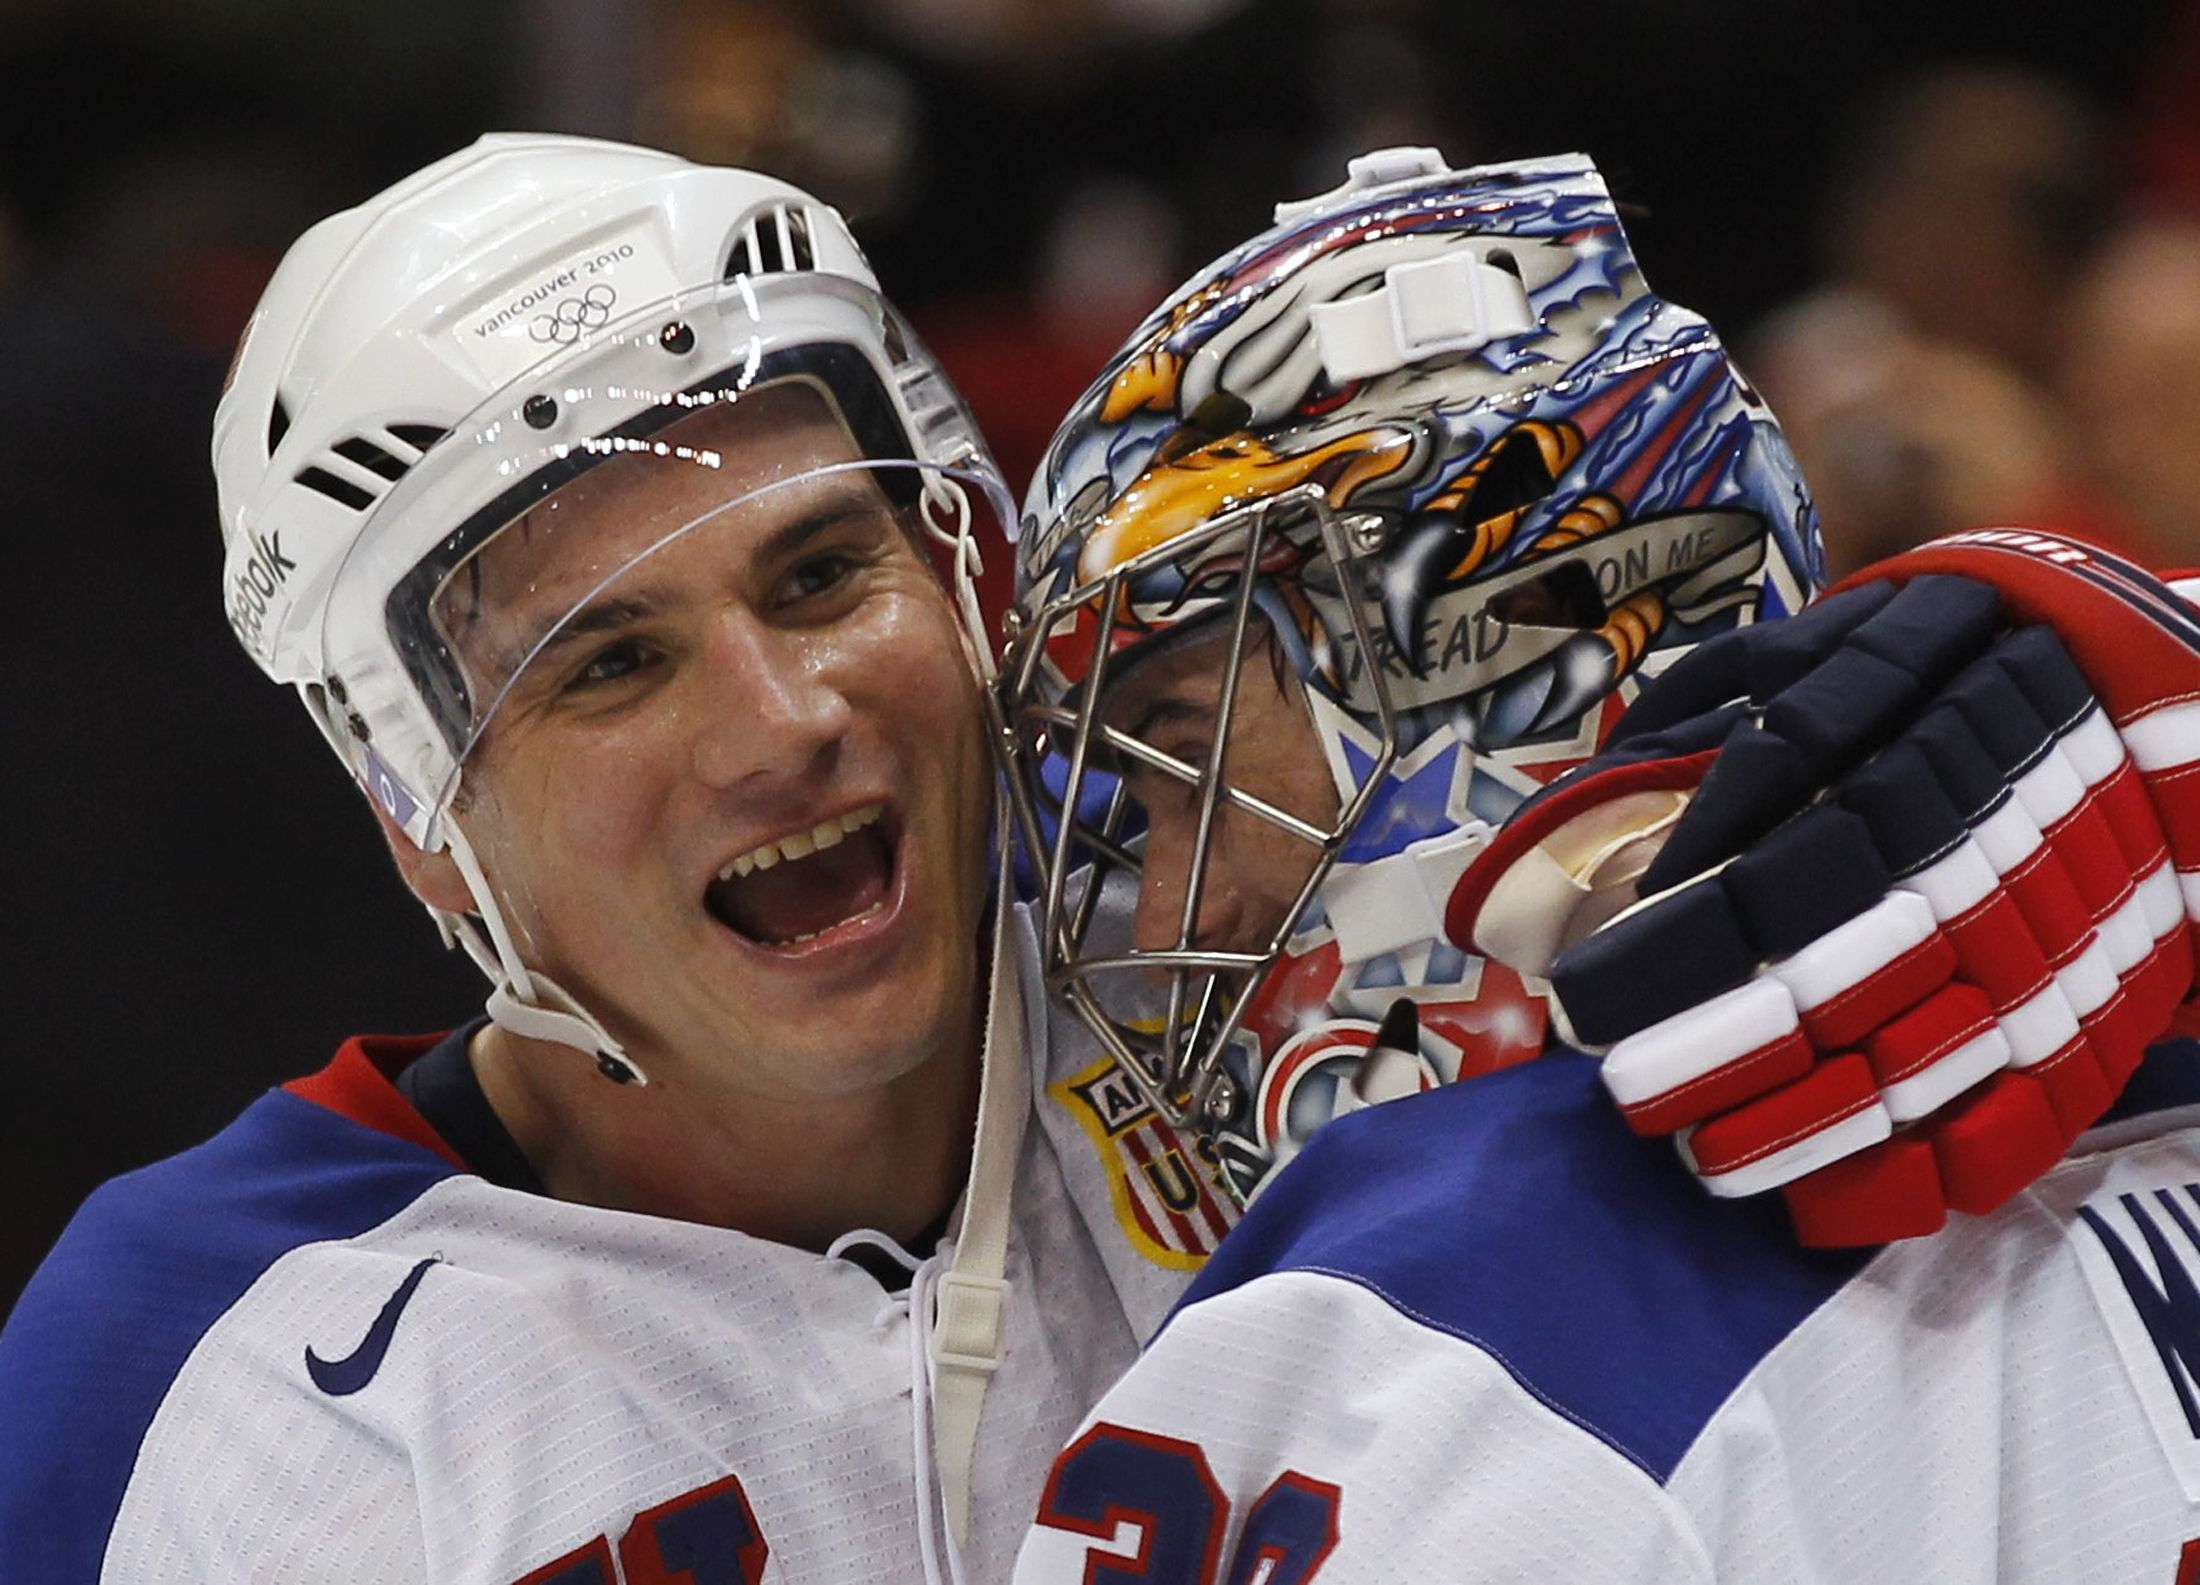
(1879,905)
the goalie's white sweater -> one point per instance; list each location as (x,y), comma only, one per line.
(315,1351)
(1485,1334)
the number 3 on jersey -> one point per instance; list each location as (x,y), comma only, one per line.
(1112,1475)
(707,1536)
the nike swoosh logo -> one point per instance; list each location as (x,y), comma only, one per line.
(341,1377)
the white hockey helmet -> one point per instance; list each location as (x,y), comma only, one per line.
(424,368)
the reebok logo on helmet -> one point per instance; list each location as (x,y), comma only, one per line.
(266,571)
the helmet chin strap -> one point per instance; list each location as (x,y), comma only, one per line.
(944,511)
(528,1004)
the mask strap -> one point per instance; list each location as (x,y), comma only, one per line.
(966,1336)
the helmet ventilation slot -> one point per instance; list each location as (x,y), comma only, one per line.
(371,457)
(418,436)
(342,491)
(1513,475)
(772,239)
(374,464)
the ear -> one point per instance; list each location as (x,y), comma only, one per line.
(433,877)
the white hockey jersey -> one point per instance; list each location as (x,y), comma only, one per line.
(1486,1334)
(317,1351)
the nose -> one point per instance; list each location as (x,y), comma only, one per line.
(1165,877)
(1160,905)
(770,706)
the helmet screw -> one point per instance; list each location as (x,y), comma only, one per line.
(539,411)
(336,689)
(613,1069)
(358,725)
(676,338)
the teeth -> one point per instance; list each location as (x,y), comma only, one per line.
(825,834)
(796,941)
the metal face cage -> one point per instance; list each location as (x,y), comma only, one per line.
(1171,1015)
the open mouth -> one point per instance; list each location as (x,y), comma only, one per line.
(799,887)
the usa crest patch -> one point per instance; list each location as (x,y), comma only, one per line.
(1162,1184)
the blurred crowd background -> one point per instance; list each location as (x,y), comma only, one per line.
(1958,246)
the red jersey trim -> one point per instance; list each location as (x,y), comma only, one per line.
(356,1085)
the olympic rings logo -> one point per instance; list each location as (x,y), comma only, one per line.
(570,320)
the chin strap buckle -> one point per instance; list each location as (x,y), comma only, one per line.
(967,1335)
(536,1022)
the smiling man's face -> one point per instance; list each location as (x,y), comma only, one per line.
(736,803)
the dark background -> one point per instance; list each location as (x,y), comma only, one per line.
(199,904)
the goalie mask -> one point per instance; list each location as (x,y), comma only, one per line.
(1370,531)
(429,377)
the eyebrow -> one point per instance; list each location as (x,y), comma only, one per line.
(1167,710)
(824,515)
(598,616)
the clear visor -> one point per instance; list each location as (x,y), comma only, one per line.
(1187,759)
(761,496)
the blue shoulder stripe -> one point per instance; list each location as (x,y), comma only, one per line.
(1517,1213)
(146,1267)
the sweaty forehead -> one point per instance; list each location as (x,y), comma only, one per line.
(719,454)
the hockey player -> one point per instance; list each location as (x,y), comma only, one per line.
(1877,910)
(583,496)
